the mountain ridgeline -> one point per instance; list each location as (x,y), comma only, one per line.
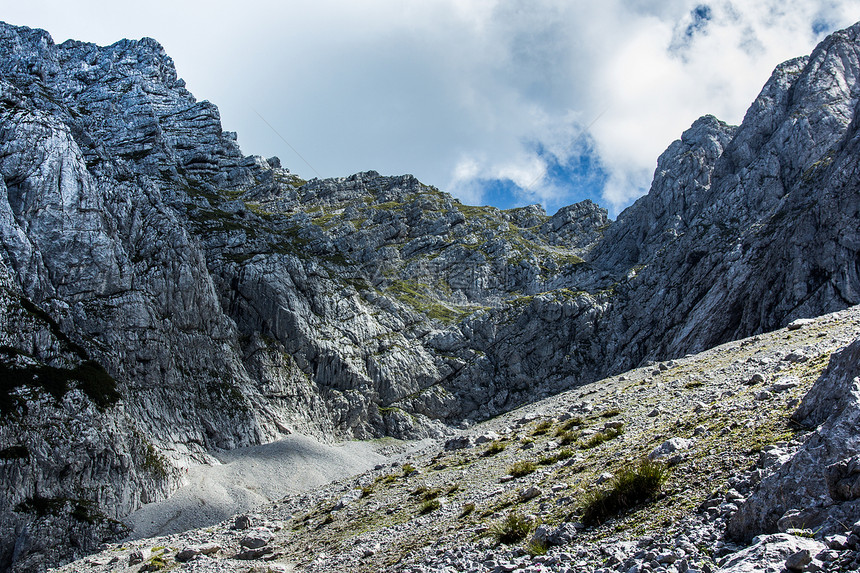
(164,295)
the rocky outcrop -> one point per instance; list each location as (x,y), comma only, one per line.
(232,302)
(818,487)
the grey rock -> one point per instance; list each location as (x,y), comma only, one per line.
(769,553)
(187,554)
(459,443)
(257,539)
(256,553)
(669,447)
(799,560)
(139,556)
(843,479)
(757,378)
(799,323)
(785,383)
(821,477)
(486,438)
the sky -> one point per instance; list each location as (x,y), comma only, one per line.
(505,103)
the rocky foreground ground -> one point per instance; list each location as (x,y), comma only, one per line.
(511,494)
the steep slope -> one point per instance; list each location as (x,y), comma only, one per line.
(710,420)
(232,302)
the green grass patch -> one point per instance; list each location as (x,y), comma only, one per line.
(568,425)
(564,454)
(80,509)
(630,487)
(515,527)
(522,468)
(494,448)
(426,493)
(467,510)
(415,294)
(536,547)
(596,439)
(429,506)
(88,376)
(542,427)
(569,437)
(15,453)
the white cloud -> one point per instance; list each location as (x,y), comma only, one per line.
(459,91)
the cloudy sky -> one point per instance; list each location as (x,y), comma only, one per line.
(498,102)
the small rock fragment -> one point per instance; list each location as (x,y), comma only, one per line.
(800,323)
(670,446)
(136,557)
(459,443)
(241,522)
(257,539)
(797,561)
(249,554)
(187,554)
(757,378)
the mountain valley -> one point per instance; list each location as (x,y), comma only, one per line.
(167,300)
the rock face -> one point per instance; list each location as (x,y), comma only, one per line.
(188,297)
(818,487)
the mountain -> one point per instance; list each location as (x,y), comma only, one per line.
(165,297)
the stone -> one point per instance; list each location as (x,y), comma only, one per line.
(256,553)
(824,467)
(838,542)
(258,538)
(770,553)
(241,522)
(784,384)
(486,438)
(799,560)
(843,479)
(459,443)
(669,447)
(799,323)
(187,554)
(757,378)
(138,556)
